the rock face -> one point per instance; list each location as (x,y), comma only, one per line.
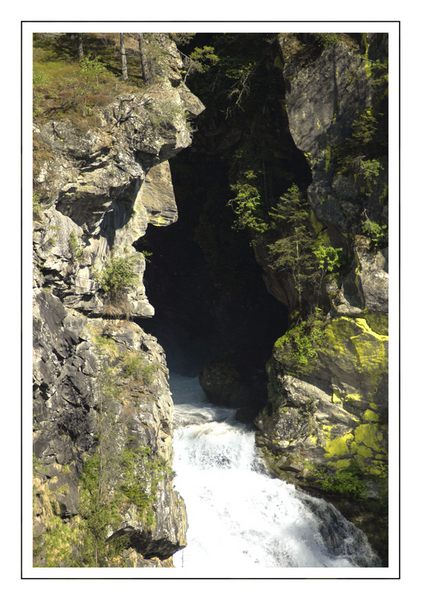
(102,407)
(325,426)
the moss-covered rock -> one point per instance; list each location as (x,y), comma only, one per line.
(326,429)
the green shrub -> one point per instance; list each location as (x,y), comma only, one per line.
(108,485)
(248,205)
(118,276)
(203,59)
(328,257)
(92,68)
(364,128)
(375,231)
(370,170)
(139,369)
(75,247)
(141,474)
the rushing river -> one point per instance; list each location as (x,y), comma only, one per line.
(239,516)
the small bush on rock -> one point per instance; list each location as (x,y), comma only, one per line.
(118,276)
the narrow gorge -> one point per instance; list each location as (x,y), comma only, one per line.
(210,301)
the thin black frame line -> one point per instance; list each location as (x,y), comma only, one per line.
(212,578)
(191,21)
(399,310)
(21,300)
(399,323)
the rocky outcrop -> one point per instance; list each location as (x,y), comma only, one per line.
(325,426)
(102,407)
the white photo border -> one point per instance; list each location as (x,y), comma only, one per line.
(392,28)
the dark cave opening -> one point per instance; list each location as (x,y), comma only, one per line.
(210,299)
(203,279)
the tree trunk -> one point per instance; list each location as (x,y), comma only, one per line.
(80,51)
(124,73)
(144,67)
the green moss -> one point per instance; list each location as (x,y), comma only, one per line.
(337,334)
(353,397)
(109,485)
(142,473)
(300,346)
(370,416)
(363,324)
(377,322)
(364,348)
(363,452)
(347,482)
(369,435)
(37,207)
(342,463)
(58,544)
(336,399)
(309,158)
(338,446)
(364,128)
(371,357)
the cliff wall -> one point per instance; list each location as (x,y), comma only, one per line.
(103,491)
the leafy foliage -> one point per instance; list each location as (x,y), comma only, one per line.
(116,475)
(370,170)
(375,231)
(135,479)
(203,58)
(247,205)
(75,247)
(364,128)
(328,257)
(117,276)
(299,250)
(182,39)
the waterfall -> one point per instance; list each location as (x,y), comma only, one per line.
(237,514)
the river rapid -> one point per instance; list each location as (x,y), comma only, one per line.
(237,514)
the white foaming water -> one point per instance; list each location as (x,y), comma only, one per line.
(239,516)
